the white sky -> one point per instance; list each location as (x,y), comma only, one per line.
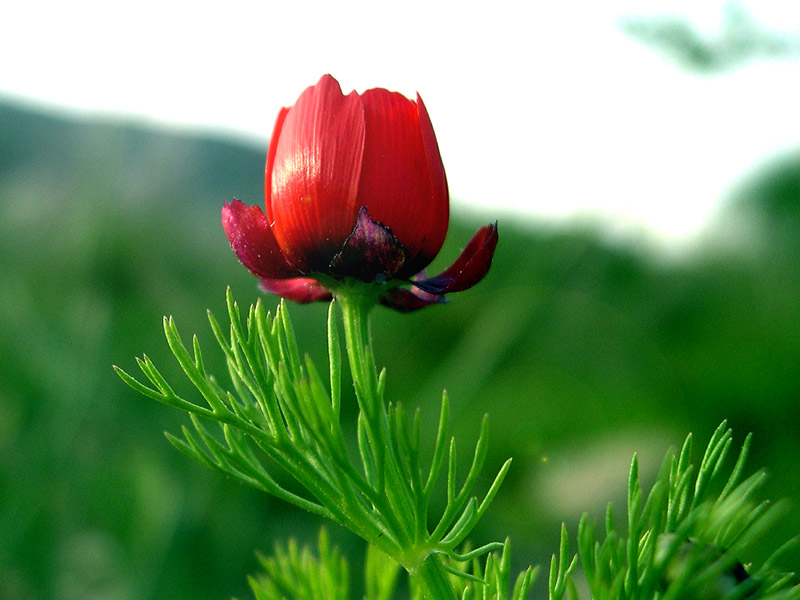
(543,108)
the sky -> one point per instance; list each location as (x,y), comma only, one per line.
(541,109)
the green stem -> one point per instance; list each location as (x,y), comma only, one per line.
(386,479)
(355,310)
(395,498)
(355,313)
(433,578)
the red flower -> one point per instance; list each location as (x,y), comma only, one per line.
(355,188)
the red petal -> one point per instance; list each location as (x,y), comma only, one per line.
(300,289)
(271,151)
(440,212)
(313,174)
(404,300)
(251,239)
(470,267)
(402,178)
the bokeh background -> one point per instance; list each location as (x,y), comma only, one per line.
(646,284)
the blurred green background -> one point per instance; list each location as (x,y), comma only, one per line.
(583,349)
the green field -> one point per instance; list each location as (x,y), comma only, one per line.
(583,349)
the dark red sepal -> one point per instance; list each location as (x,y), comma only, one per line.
(469,268)
(252,241)
(300,289)
(403,300)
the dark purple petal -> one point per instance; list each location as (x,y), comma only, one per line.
(370,251)
(252,241)
(300,289)
(404,300)
(470,267)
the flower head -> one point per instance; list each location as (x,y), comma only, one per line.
(355,189)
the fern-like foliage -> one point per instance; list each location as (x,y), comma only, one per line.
(687,538)
(278,411)
(291,573)
(303,574)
